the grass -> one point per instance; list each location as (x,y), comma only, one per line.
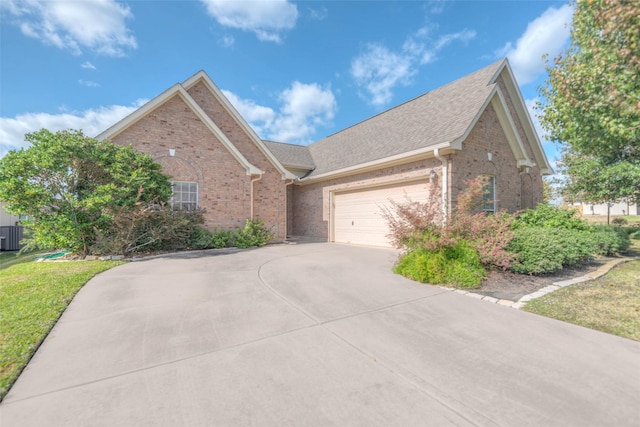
(609,304)
(602,219)
(32,298)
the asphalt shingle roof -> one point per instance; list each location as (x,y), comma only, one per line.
(437,117)
(291,154)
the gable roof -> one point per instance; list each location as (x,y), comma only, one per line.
(201,76)
(180,89)
(291,155)
(439,119)
(430,121)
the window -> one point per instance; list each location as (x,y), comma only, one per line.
(185,196)
(489,195)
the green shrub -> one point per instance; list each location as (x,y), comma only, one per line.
(222,238)
(607,240)
(254,233)
(200,238)
(545,249)
(545,215)
(635,235)
(459,266)
(419,224)
(619,221)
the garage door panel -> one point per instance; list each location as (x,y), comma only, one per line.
(358,215)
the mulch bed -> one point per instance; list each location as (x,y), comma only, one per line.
(512,286)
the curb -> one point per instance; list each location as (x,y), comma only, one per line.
(604,269)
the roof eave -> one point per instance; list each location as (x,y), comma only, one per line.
(419,154)
(156,102)
(525,118)
(217,93)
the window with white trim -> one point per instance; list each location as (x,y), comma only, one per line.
(185,196)
(489,195)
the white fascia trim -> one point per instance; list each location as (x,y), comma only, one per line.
(457,143)
(251,169)
(201,75)
(377,164)
(138,114)
(511,131)
(523,114)
(177,89)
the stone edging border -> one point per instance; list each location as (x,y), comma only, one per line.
(547,289)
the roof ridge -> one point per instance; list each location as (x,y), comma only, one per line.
(414,99)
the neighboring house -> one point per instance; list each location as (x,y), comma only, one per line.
(10,232)
(7,219)
(619,208)
(334,189)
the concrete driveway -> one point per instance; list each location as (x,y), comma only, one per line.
(313,335)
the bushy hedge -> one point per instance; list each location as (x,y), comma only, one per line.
(254,233)
(545,215)
(608,240)
(459,266)
(547,249)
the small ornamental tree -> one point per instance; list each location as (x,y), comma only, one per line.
(68,184)
(420,225)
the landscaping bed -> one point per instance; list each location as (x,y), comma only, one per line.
(512,286)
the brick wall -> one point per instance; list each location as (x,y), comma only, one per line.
(533,182)
(270,193)
(515,189)
(223,186)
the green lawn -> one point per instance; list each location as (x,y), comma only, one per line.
(609,304)
(32,298)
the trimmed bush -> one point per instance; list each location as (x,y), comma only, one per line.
(607,240)
(459,266)
(222,238)
(200,239)
(545,215)
(545,249)
(254,233)
(619,221)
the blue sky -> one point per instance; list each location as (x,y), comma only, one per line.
(297,71)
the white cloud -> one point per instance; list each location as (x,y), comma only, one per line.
(318,14)
(260,117)
(227,41)
(88,65)
(267,19)
(379,70)
(304,107)
(547,34)
(97,25)
(91,122)
(88,83)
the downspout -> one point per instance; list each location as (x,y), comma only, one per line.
(445,181)
(252,181)
(286,208)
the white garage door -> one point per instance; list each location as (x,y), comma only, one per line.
(358,214)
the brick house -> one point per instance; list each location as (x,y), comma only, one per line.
(334,188)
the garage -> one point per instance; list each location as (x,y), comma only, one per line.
(357,215)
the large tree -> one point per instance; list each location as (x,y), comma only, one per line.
(589,179)
(591,101)
(67,184)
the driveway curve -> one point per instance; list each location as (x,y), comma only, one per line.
(316,335)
